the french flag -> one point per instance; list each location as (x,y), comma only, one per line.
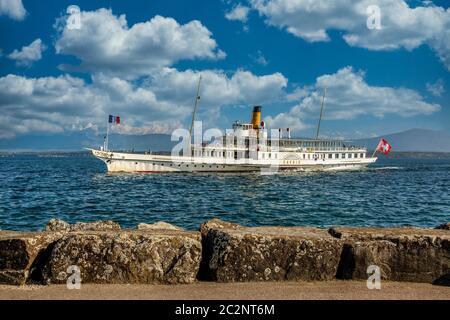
(114,119)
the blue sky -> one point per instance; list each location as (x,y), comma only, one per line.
(249,52)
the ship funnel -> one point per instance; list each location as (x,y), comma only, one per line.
(256,117)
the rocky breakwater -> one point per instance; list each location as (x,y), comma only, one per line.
(235,253)
(22,255)
(402,254)
(103,252)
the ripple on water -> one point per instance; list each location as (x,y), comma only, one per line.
(392,193)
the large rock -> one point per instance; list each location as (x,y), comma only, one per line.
(128,256)
(23,254)
(160,225)
(57,225)
(444,226)
(403,254)
(236,253)
(60,225)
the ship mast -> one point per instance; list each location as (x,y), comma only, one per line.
(321,112)
(197,98)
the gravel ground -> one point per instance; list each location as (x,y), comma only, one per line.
(348,290)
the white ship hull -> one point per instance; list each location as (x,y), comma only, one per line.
(147,163)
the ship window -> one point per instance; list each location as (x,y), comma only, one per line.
(330,156)
(362,155)
(270,155)
(343,156)
(356,155)
(350,155)
(336,156)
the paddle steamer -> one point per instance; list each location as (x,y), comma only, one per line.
(247,147)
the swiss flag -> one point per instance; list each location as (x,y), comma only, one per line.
(384,146)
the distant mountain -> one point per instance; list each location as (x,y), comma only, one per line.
(419,140)
(154,142)
(76,141)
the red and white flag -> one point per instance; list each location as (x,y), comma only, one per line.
(384,146)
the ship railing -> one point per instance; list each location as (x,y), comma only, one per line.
(265,148)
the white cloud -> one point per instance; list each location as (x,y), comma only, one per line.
(291,119)
(13,9)
(28,54)
(238,13)
(349,96)
(43,104)
(401,25)
(105,43)
(242,87)
(158,104)
(164,101)
(437,88)
(260,59)
(297,94)
(56,104)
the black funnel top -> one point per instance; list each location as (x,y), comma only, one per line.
(257,109)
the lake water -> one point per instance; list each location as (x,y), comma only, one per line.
(394,192)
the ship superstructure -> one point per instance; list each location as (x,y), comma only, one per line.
(246,147)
